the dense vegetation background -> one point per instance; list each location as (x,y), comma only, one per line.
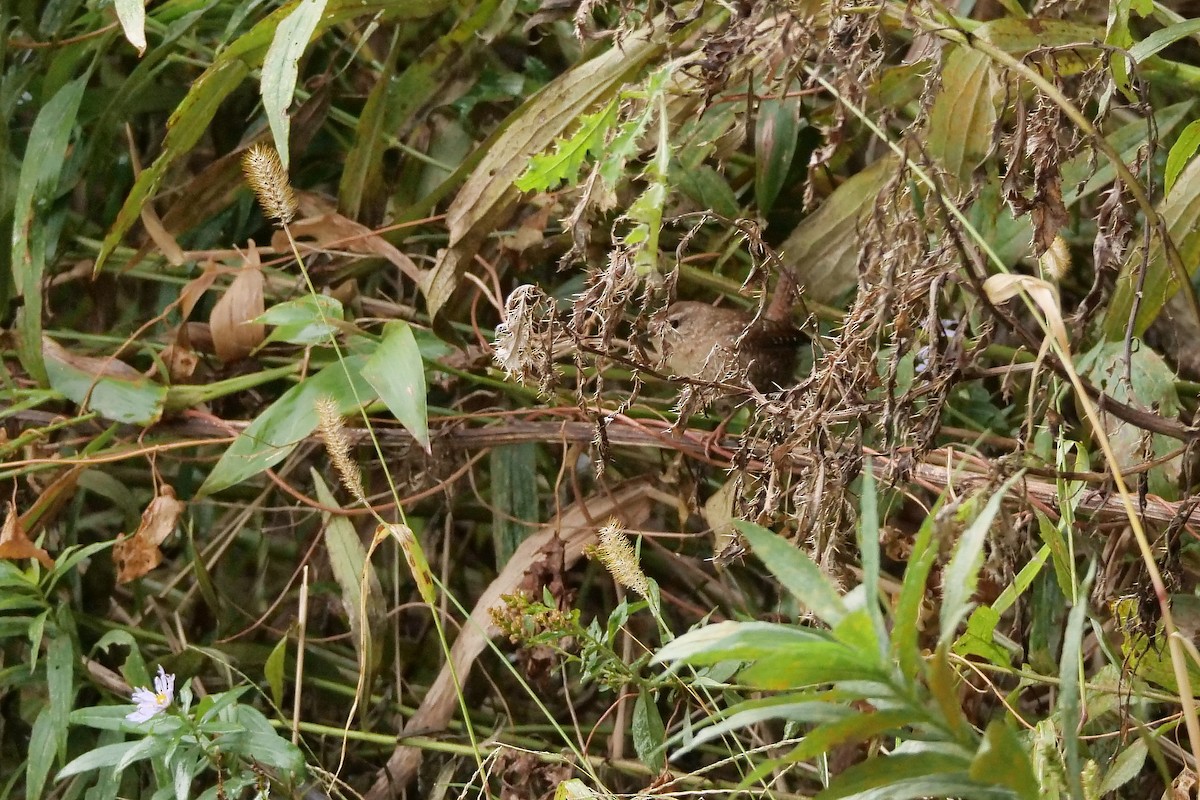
(514,399)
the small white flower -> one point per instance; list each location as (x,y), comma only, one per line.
(152,703)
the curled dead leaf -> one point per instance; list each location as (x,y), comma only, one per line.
(336,232)
(1002,288)
(138,554)
(15,544)
(234,333)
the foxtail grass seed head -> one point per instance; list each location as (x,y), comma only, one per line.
(619,558)
(269,181)
(329,422)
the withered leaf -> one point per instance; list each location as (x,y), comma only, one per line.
(333,231)
(234,334)
(138,554)
(15,544)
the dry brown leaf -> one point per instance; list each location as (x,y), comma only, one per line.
(159,235)
(138,554)
(1002,288)
(335,232)
(180,359)
(234,334)
(15,544)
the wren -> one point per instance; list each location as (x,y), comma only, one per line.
(701,339)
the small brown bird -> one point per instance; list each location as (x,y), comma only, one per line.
(703,340)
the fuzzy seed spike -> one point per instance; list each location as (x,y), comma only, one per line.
(269,181)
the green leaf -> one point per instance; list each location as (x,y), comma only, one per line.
(735,641)
(808,664)
(648,732)
(964,112)
(309,319)
(281,68)
(42,747)
(37,185)
(1182,152)
(108,387)
(979,639)
(868,547)
(265,746)
(1180,212)
(1163,38)
(273,670)
(899,777)
(548,171)
(823,249)
(854,727)
(1069,689)
(397,374)
(514,497)
(111,755)
(280,427)
(776,134)
(1003,760)
(796,571)
(796,707)
(348,559)
(1126,766)
(962,573)
(60,680)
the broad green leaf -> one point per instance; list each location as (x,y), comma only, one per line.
(1180,212)
(823,249)
(1126,140)
(1182,152)
(906,627)
(397,374)
(280,427)
(1150,384)
(281,67)
(979,638)
(132,16)
(266,746)
(776,133)
(1163,38)
(808,664)
(735,641)
(1003,760)
(348,559)
(109,387)
(964,113)
(648,732)
(962,573)
(113,754)
(514,497)
(797,707)
(853,727)
(796,571)
(310,319)
(273,670)
(902,776)
(1125,767)
(37,186)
